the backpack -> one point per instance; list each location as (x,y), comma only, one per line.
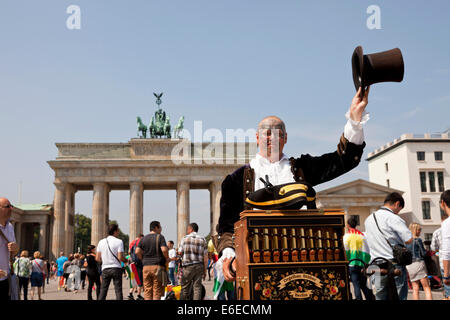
(133,255)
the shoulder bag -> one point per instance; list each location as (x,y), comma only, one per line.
(161,272)
(40,268)
(402,255)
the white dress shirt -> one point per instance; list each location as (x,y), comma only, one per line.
(279,172)
(444,252)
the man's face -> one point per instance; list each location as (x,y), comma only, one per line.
(271,139)
(189,230)
(5,209)
(170,245)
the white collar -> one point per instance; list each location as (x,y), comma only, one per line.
(264,161)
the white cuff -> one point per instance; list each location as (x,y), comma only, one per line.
(228,253)
(353,130)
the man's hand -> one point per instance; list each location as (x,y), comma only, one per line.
(359,105)
(3,273)
(226,269)
(13,247)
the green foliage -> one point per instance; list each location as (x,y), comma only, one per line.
(83,226)
(82,233)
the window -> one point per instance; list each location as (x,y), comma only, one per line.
(386,166)
(423,182)
(438,155)
(432,181)
(388,183)
(420,155)
(426,210)
(428,236)
(440,176)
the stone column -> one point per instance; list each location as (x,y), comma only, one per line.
(182,209)
(136,209)
(98,212)
(18,233)
(69,219)
(106,213)
(346,215)
(59,222)
(43,238)
(215,189)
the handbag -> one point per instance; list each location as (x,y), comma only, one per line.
(161,272)
(402,255)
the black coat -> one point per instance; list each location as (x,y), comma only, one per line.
(315,170)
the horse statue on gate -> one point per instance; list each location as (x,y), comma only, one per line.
(141,128)
(178,128)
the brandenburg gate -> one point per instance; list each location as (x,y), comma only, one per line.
(141,164)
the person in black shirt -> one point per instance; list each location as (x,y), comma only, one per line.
(92,271)
(154,254)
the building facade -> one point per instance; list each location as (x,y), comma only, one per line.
(33,227)
(357,198)
(419,165)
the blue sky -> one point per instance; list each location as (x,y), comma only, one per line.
(226,63)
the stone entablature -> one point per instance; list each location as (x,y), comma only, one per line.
(170,150)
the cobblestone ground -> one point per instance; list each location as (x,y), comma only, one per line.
(52,293)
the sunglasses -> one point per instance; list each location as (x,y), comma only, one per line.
(8,206)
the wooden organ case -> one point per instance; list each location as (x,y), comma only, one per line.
(291,255)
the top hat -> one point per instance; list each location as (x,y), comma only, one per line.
(376,67)
(283,196)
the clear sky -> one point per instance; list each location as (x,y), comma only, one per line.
(226,63)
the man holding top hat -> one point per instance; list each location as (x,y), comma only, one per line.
(251,185)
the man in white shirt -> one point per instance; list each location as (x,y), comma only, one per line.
(393,229)
(110,255)
(8,247)
(444,253)
(436,245)
(271,161)
(172,260)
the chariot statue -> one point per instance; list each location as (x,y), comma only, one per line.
(159,126)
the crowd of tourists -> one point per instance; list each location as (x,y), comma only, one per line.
(386,232)
(156,270)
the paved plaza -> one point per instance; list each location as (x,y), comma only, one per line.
(52,293)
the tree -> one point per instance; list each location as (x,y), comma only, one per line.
(82,232)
